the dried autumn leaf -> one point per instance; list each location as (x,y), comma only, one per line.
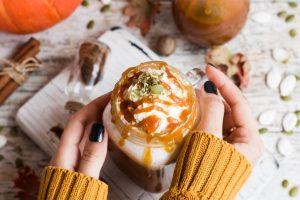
(236,66)
(27,182)
(141,13)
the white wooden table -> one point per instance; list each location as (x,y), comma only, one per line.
(256,41)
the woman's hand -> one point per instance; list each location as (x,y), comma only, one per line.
(83,144)
(227,115)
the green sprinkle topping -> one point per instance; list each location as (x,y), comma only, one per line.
(85,3)
(290,18)
(282,14)
(294,191)
(90,24)
(156,89)
(293,4)
(148,84)
(105,8)
(1,157)
(293,33)
(285,183)
(286,98)
(263,130)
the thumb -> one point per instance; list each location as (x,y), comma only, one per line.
(94,151)
(212,110)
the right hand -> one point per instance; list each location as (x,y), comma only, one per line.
(226,114)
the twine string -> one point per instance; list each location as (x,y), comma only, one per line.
(19,71)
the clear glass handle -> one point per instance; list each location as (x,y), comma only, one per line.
(196,77)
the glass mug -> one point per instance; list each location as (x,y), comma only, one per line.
(147,158)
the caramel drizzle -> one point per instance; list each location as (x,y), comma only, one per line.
(129,108)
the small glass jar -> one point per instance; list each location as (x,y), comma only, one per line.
(85,73)
(146,157)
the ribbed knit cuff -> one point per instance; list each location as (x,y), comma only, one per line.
(58,183)
(208,169)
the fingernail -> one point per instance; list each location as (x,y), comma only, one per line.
(212,65)
(210,87)
(97,132)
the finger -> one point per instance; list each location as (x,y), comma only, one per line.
(240,110)
(228,123)
(94,152)
(212,110)
(67,151)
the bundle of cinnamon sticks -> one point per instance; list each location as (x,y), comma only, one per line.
(7,85)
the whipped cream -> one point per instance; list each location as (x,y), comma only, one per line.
(136,92)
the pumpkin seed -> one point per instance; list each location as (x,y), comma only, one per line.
(280,54)
(284,147)
(285,183)
(19,163)
(288,85)
(297,112)
(286,98)
(273,78)
(85,3)
(298,123)
(105,8)
(90,24)
(282,14)
(263,130)
(106,1)
(297,78)
(286,61)
(293,33)
(294,191)
(1,157)
(3,141)
(262,17)
(288,132)
(290,18)
(293,4)
(289,121)
(267,117)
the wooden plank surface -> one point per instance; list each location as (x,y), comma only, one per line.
(59,47)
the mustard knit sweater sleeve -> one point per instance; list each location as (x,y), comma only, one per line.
(207,169)
(58,183)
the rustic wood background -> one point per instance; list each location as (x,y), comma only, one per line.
(59,45)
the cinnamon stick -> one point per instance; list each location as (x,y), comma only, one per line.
(7,85)
(27,50)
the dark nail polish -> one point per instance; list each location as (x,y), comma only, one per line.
(210,87)
(212,65)
(97,132)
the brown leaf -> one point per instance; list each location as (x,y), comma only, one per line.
(141,14)
(27,182)
(235,66)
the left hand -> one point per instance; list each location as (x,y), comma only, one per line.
(83,145)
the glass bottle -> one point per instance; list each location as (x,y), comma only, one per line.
(85,73)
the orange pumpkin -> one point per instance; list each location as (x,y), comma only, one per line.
(29,16)
(210,22)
